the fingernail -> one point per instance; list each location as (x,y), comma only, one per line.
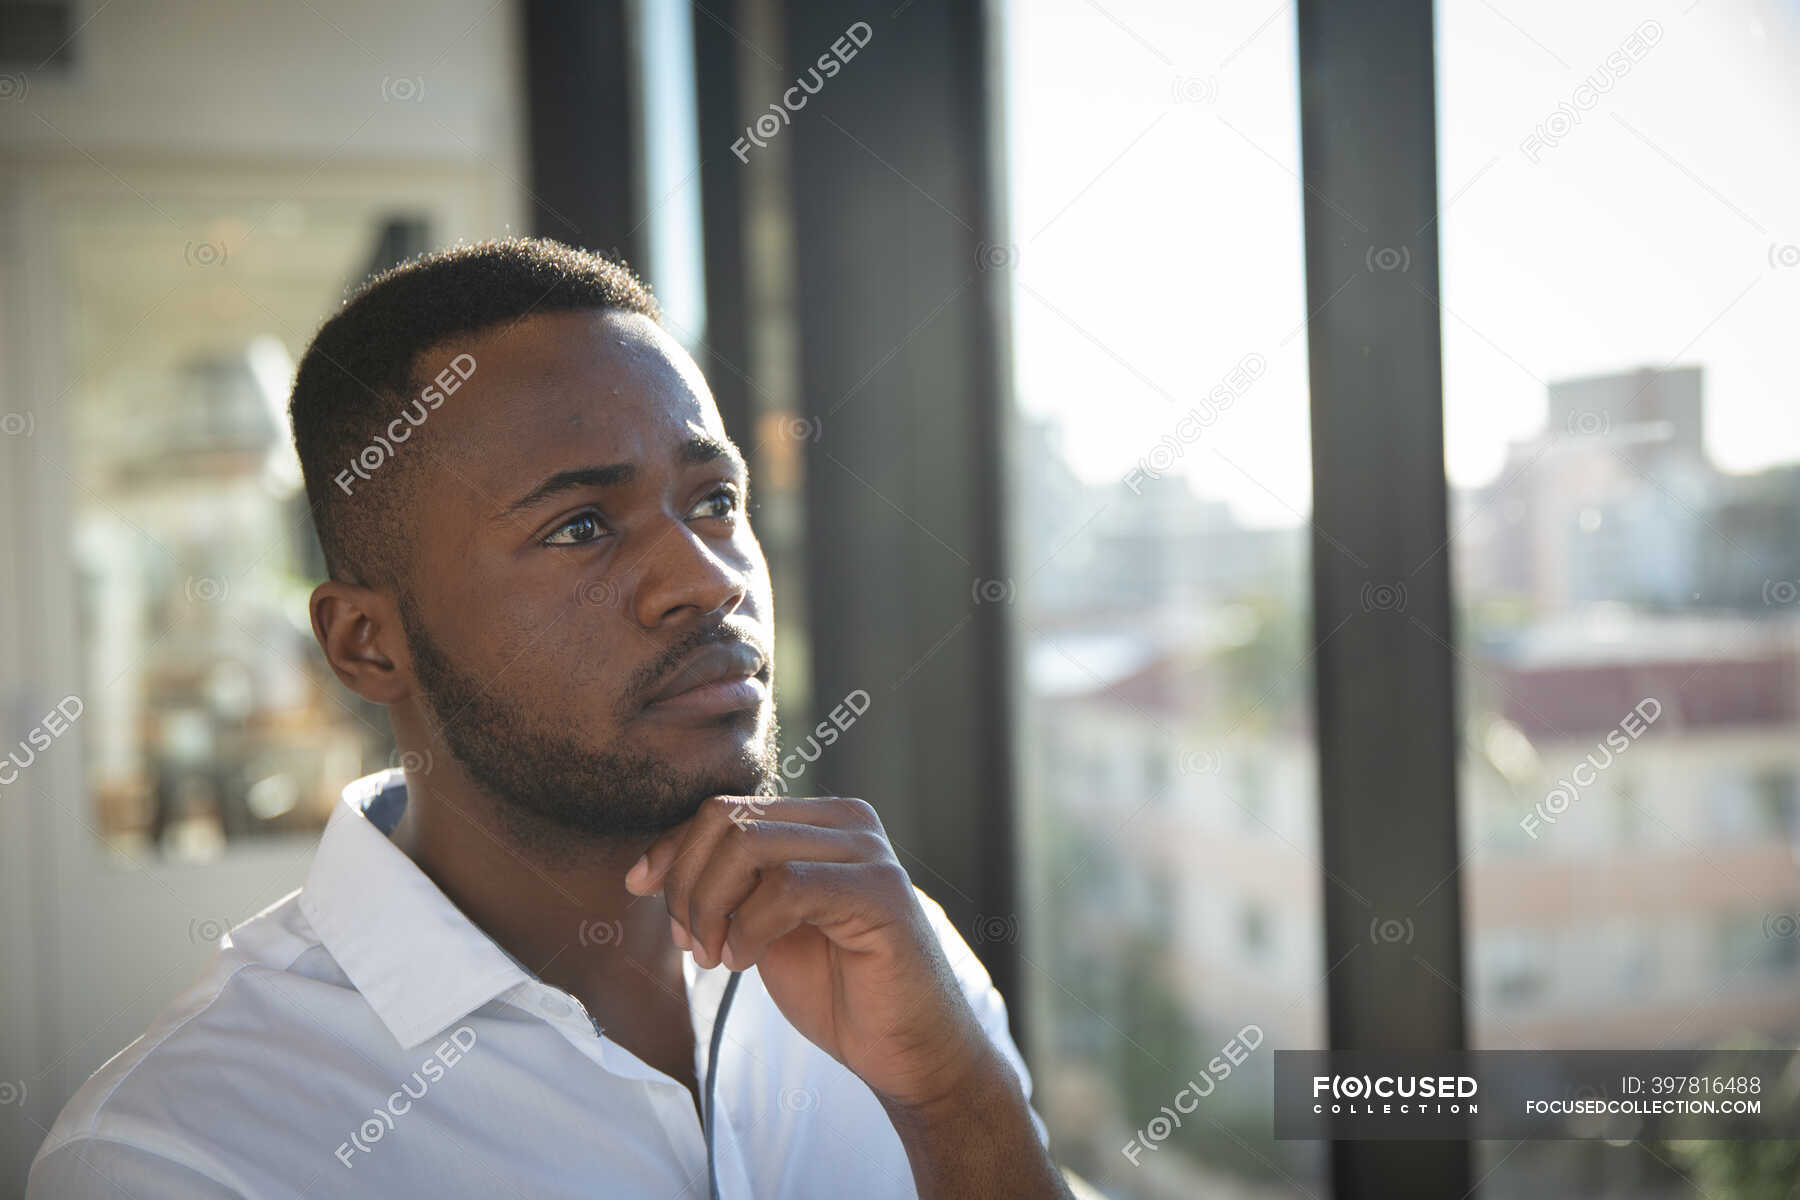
(725,956)
(679,935)
(640,870)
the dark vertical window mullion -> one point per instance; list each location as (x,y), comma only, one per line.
(905,380)
(717,80)
(582,109)
(1381,585)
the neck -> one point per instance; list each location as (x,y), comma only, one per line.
(565,915)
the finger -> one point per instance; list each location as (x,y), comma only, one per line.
(720,813)
(847,902)
(704,900)
(645,878)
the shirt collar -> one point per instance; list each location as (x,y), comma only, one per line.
(415,957)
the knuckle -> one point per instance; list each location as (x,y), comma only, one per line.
(782,878)
(739,848)
(892,877)
(860,810)
(870,846)
(744,810)
(752,831)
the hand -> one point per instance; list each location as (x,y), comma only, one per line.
(807,890)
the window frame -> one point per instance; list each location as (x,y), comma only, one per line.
(942,747)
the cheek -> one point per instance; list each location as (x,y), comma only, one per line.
(589,658)
(761,587)
(533,646)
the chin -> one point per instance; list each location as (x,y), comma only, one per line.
(733,754)
(734,757)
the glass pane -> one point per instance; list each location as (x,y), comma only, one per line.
(1159,500)
(208,712)
(1620,287)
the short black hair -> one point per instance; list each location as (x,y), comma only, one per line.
(363,370)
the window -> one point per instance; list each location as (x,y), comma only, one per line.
(1619,285)
(1160,495)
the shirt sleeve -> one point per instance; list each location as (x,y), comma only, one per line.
(984,998)
(92,1168)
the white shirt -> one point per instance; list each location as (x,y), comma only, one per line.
(362,1037)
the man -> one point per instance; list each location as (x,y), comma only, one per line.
(503,973)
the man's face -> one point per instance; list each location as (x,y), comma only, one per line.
(580,537)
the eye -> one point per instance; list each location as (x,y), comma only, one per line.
(583,527)
(723,503)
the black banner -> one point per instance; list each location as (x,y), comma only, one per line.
(1619,1095)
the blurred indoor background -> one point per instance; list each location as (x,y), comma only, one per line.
(1023,315)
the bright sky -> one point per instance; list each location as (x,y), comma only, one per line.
(1156,219)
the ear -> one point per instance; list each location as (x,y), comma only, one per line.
(360,632)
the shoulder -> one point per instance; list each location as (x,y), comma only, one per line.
(101,1169)
(142,1113)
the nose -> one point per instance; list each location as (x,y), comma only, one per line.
(683,572)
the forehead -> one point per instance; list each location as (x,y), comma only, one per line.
(563,390)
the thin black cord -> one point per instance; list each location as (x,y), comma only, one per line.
(712,1075)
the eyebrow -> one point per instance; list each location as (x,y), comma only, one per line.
(697,450)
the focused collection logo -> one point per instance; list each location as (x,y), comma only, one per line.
(1402,1095)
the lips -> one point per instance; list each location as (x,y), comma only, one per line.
(715,663)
